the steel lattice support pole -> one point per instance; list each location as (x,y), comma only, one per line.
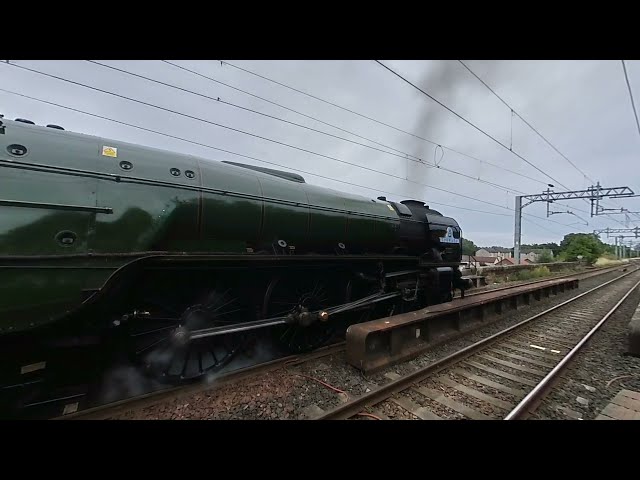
(517,236)
(594,194)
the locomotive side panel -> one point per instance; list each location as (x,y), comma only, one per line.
(372,225)
(286,215)
(360,224)
(47,187)
(154,196)
(47,209)
(232,208)
(328,223)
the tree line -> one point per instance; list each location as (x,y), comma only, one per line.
(586,245)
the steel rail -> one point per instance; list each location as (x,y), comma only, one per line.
(535,393)
(152,398)
(355,406)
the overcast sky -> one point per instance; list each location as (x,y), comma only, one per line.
(582,107)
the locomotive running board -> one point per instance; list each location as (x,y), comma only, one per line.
(379,343)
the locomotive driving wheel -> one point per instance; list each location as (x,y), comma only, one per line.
(284,295)
(356,290)
(157,335)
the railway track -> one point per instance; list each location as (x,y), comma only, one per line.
(112,409)
(165,395)
(502,376)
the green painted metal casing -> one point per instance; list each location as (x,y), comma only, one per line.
(75,208)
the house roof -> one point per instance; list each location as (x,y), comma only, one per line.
(496,249)
(484,259)
(505,261)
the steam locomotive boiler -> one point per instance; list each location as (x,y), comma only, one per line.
(180,259)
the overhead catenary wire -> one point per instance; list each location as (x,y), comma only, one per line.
(341,107)
(297,112)
(514,112)
(261,160)
(470,123)
(375,120)
(139,127)
(633,105)
(266,138)
(361,115)
(207,121)
(193,117)
(402,155)
(542,226)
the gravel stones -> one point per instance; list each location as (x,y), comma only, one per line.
(313,387)
(598,372)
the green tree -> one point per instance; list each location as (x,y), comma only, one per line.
(554,247)
(585,244)
(545,256)
(468,247)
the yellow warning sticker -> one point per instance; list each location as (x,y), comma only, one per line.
(109,151)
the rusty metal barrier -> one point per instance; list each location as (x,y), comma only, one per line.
(374,345)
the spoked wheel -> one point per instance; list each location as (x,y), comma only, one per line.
(356,290)
(283,295)
(158,337)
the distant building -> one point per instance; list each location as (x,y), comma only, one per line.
(496,252)
(531,257)
(500,253)
(533,254)
(475,261)
(506,261)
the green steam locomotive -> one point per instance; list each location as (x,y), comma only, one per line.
(182,258)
